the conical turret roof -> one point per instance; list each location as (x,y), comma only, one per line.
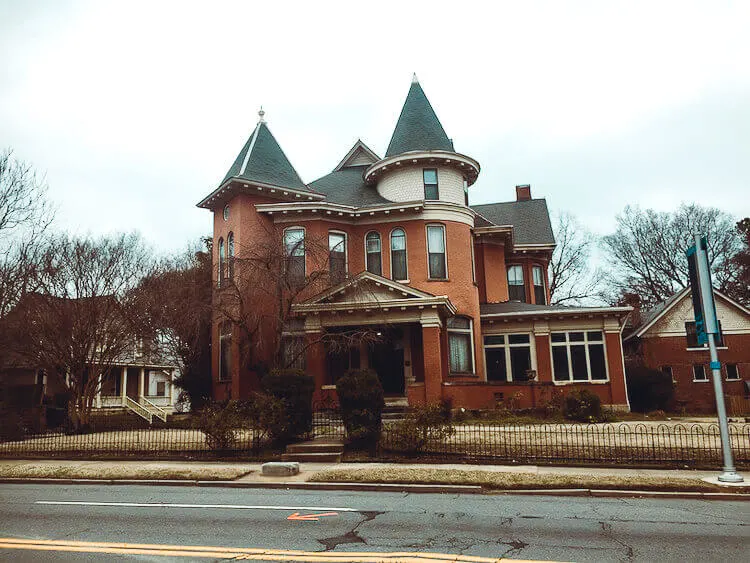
(262,160)
(418,128)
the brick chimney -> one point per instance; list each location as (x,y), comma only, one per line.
(523,192)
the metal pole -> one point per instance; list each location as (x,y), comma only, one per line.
(729,473)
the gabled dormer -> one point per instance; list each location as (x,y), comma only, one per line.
(359,155)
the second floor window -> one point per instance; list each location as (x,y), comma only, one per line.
(225,351)
(540,294)
(436,251)
(516,289)
(372,247)
(230,248)
(337,256)
(430,183)
(294,249)
(398,255)
(692,336)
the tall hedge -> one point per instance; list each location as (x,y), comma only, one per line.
(361,401)
(649,389)
(295,391)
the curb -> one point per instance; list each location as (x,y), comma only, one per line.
(387,487)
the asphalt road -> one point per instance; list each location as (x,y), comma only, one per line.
(519,527)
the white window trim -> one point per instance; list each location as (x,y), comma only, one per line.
(304,244)
(346,248)
(469,330)
(445,250)
(507,346)
(707,378)
(368,233)
(406,253)
(736,368)
(585,343)
(523,280)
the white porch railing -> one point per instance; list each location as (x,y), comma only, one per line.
(160,400)
(153,409)
(139,410)
(112,401)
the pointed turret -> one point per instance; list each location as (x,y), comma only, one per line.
(418,128)
(262,160)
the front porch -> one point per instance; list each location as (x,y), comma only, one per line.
(149,391)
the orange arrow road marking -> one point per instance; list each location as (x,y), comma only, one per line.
(310,517)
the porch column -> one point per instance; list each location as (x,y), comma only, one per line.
(141,381)
(433,360)
(315,358)
(99,394)
(171,388)
(124,385)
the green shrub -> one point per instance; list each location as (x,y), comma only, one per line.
(361,401)
(266,416)
(294,390)
(422,425)
(583,406)
(649,389)
(220,424)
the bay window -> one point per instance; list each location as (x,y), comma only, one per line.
(508,357)
(578,356)
(436,252)
(337,256)
(399,271)
(516,287)
(373,253)
(461,351)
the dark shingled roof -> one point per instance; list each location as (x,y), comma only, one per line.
(530,219)
(418,128)
(347,187)
(267,163)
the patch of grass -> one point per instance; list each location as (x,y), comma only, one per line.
(495,480)
(120,471)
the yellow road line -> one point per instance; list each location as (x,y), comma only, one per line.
(245,554)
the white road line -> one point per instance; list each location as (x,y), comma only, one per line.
(178,505)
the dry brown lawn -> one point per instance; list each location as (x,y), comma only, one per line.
(121,470)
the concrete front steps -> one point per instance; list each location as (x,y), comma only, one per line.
(317,451)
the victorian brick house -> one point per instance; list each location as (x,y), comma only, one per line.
(666,340)
(458,292)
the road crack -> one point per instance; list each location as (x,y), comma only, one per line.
(352,536)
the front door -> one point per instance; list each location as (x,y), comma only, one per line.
(388,363)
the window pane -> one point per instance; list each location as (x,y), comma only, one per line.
(576,336)
(336,242)
(374,265)
(560,363)
(436,238)
(296,269)
(294,241)
(538,278)
(692,335)
(518,339)
(578,359)
(495,339)
(460,352)
(594,336)
(517,293)
(430,175)
(558,337)
(459,322)
(699,373)
(373,242)
(437,266)
(398,259)
(398,240)
(515,275)
(598,361)
(540,296)
(732,371)
(496,369)
(520,361)
(431,192)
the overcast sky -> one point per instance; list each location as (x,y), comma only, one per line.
(135,110)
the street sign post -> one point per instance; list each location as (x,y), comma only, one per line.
(707,329)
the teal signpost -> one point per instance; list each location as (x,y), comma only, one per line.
(707,329)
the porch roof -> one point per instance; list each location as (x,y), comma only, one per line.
(517,309)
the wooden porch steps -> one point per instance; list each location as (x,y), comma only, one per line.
(317,451)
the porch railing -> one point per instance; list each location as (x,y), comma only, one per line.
(141,411)
(155,410)
(112,401)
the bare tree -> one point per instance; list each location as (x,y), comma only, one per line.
(25,215)
(179,310)
(740,287)
(86,314)
(572,279)
(647,251)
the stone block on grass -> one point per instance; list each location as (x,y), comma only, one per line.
(280,468)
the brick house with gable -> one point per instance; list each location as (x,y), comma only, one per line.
(459,292)
(666,340)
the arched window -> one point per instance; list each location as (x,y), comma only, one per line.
(374,258)
(230,248)
(294,248)
(337,256)
(225,351)
(399,270)
(222,261)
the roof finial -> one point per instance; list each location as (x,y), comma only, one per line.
(414,79)
(261,113)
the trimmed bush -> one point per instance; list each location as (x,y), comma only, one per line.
(266,415)
(361,400)
(422,424)
(583,406)
(294,390)
(649,389)
(220,425)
